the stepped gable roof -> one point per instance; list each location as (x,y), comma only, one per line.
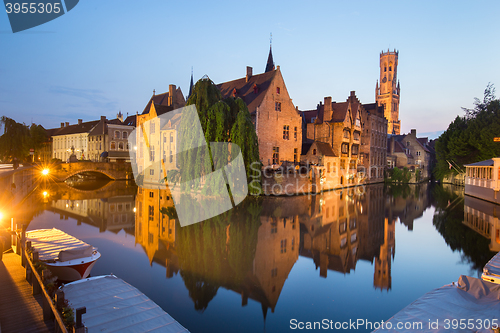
(339,111)
(324,149)
(77,128)
(245,90)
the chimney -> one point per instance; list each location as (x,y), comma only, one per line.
(327,111)
(67,124)
(171,95)
(103,118)
(62,125)
(392,145)
(80,121)
(414,132)
(249,73)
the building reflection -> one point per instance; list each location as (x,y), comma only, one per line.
(482,217)
(110,208)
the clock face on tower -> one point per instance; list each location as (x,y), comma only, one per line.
(384,80)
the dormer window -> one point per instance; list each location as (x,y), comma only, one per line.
(255,89)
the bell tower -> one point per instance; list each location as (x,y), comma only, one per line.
(387,92)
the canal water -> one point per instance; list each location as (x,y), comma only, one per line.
(268,265)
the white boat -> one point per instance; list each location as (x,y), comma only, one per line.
(491,271)
(67,257)
(113,305)
(470,305)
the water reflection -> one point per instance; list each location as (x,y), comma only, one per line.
(251,250)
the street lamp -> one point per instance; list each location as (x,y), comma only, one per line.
(45,172)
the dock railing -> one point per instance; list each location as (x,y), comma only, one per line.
(50,311)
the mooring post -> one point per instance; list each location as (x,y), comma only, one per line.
(22,245)
(37,288)
(79,327)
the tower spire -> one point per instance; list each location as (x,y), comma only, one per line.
(270,62)
(191,84)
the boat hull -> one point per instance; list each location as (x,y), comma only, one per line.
(73,270)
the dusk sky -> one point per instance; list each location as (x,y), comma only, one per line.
(107,56)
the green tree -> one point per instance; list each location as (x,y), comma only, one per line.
(221,121)
(469,139)
(15,140)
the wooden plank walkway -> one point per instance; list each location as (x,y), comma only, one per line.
(20,311)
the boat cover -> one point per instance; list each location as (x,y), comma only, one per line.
(54,244)
(493,266)
(112,305)
(470,298)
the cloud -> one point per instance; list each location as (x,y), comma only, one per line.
(94,98)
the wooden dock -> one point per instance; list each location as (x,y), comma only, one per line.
(20,311)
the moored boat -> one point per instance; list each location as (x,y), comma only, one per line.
(67,257)
(113,305)
(491,271)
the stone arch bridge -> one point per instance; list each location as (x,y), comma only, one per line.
(113,170)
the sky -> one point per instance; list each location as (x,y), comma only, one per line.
(103,57)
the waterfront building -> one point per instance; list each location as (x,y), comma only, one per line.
(151,148)
(277,121)
(482,180)
(481,216)
(338,125)
(387,94)
(108,140)
(407,150)
(72,139)
(373,143)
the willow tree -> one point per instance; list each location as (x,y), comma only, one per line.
(221,120)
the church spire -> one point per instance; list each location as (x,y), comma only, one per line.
(270,62)
(191,84)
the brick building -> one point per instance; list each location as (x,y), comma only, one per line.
(277,121)
(373,143)
(407,150)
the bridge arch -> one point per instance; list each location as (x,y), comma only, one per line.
(87,170)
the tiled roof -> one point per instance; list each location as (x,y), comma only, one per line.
(245,90)
(162,99)
(482,163)
(308,115)
(75,129)
(324,149)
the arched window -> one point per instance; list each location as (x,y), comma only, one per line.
(112,145)
(124,135)
(117,134)
(314,151)
(120,145)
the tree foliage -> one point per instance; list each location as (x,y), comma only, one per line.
(17,139)
(221,120)
(469,139)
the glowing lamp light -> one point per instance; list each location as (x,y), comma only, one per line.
(45,172)
(1,216)
(45,194)
(134,210)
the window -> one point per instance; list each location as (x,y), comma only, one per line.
(342,164)
(294,155)
(164,139)
(151,213)
(276,155)
(277,106)
(171,157)
(151,172)
(171,137)
(314,151)
(347,134)
(355,149)
(328,167)
(152,128)
(345,148)
(128,146)
(120,145)
(152,153)
(356,135)
(124,135)
(274,272)
(151,194)
(112,145)
(117,134)
(418,153)
(283,246)
(295,133)
(407,143)
(274,227)
(286,132)
(352,164)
